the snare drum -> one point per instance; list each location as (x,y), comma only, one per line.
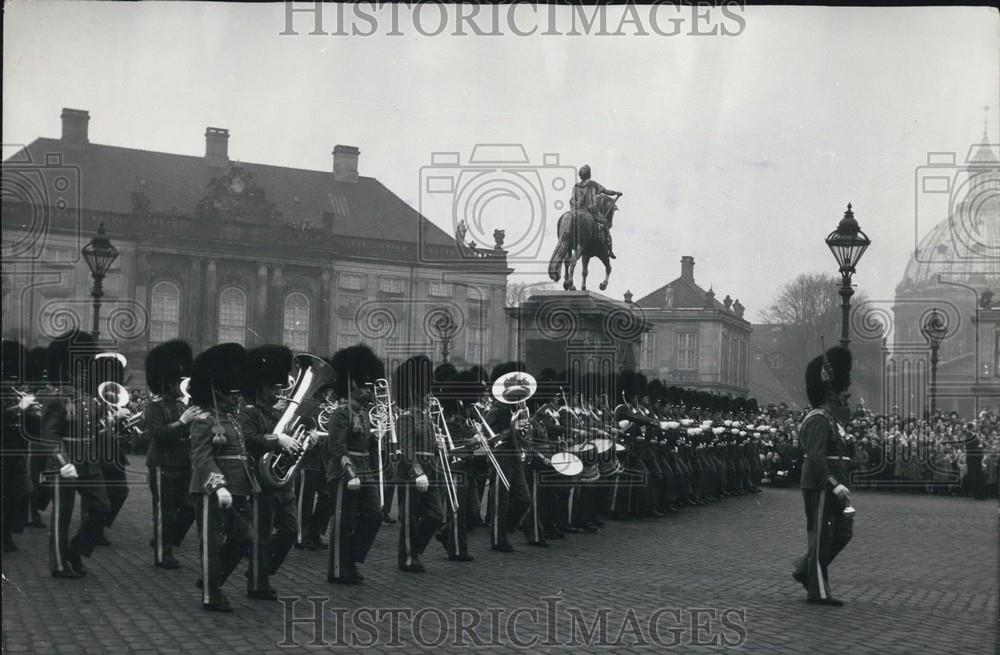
(566,464)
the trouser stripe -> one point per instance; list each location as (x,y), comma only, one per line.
(302,494)
(158,523)
(335,540)
(206,528)
(406,525)
(56,542)
(820,583)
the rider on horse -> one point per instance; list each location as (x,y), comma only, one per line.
(584,199)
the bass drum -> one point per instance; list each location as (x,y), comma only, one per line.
(567,464)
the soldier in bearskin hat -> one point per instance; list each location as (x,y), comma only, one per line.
(507,506)
(274,513)
(458,395)
(420,509)
(351,460)
(112,438)
(221,482)
(167,423)
(37,381)
(16,479)
(69,428)
(825,471)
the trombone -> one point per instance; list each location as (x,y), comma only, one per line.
(484,442)
(445,445)
(383,422)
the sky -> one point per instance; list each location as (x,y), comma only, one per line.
(741,150)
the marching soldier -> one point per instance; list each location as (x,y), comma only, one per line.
(112,438)
(70,422)
(274,508)
(313,500)
(167,423)
(220,475)
(350,458)
(41,493)
(420,509)
(507,506)
(825,472)
(16,476)
(458,397)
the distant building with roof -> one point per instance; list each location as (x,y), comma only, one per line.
(953,271)
(695,341)
(217,250)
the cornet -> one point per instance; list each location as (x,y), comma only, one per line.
(445,445)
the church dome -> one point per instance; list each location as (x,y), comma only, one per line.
(964,247)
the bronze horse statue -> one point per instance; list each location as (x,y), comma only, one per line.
(580,236)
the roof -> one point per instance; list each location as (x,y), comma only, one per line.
(171,183)
(766,387)
(686,295)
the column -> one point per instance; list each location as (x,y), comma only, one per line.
(209,332)
(194,322)
(320,318)
(258,321)
(277,313)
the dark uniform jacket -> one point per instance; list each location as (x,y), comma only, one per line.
(350,436)
(219,466)
(70,427)
(827,456)
(419,447)
(169,440)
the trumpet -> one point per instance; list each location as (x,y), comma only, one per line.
(445,445)
(383,420)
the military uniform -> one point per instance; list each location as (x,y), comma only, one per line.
(169,464)
(356,513)
(507,506)
(225,533)
(421,513)
(313,499)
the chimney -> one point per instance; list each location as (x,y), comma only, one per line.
(345,163)
(216,146)
(74,126)
(687,268)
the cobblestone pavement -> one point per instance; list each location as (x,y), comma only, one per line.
(920,576)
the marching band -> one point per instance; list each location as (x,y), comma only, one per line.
(265,450)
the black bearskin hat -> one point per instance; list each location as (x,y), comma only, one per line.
(412,381)
(657,391)
(628,382)
(220,367)
(14,361)
(167,363)
(357,364)
(68,352)
(464,386)
(37,364)
(268,365)
(506,367)
(820,382)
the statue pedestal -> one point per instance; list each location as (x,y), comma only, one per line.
(578,330)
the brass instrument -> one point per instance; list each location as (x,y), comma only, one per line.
(277,468)
(382,416)
(186,391)
(27,401)
(484,443)
(445,445)
(115,398)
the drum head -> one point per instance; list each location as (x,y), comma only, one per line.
(602,445)
(567,464)
(581,448)
(620,448)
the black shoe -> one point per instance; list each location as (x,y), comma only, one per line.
(543,544)
(388,519)
(569,529)
(354,572)
(168,563)
(412,568)
(36,522)
(9,546)
(832,602)
(801,578)
(598,523)
(68,574)
(318,544)
(221,605)
(612,255)
(503,548)
(199,584)
(263,594)
(586,528)
(554,535)
(76,563)
(344,579)
(464,557)
(305,545)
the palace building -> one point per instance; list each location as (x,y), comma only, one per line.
(214,250)
(695,341)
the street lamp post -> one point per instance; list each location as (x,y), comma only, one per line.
(444,326)
(934,330)
(847,243)
(99,254)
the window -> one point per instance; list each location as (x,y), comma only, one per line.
(295,325)
(57,255)
(347,332)
(352,281)
(165,313)
(648,358)
(390,285)
(477,345)
(687,351)
(233,316)
(479,311)
(440,290)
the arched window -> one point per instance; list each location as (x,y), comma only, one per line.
(233,316)
(165,313)
(295,324)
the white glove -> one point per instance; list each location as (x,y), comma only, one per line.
(354,484)
(190,414)
(225,498)
(289,445)
(422,483)
(840,491)
(68,471)
(624,423)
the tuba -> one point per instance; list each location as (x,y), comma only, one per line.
(301,406)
